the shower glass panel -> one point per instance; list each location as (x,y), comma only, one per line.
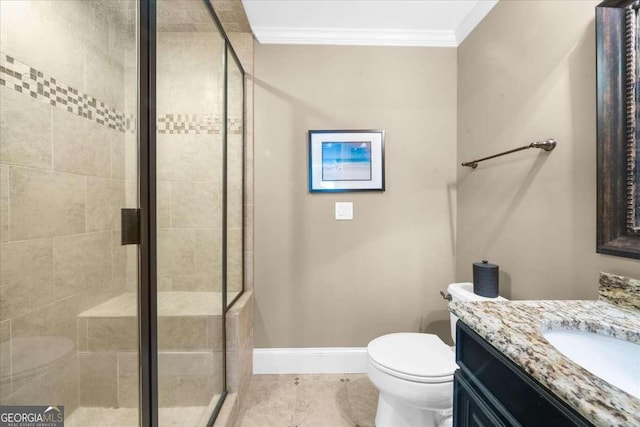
(235,176)
(68,164)
(189,139)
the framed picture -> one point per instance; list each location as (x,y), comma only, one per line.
(346,160)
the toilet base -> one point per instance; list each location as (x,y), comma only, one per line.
(394,413)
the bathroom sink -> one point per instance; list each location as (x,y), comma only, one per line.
(614,360)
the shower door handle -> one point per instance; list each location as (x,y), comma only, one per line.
(130,226)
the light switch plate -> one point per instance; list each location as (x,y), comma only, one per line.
(344,211)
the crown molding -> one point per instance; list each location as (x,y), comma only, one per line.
(355,37)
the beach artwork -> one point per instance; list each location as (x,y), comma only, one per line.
(346,161)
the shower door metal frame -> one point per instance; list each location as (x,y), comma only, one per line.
(148,306)
(148,283)
(236,60)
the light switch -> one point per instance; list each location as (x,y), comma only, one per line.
(344,211)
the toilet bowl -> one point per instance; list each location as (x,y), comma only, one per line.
(414,373)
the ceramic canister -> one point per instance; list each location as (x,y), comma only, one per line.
(485,279)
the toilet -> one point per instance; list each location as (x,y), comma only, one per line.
(414,373)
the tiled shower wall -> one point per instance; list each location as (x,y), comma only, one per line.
(67,97)
(240,317)
(242,43)
(189,95)
(68,164)
(189,140)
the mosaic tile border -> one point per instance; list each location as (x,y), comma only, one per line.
(37,84)
(234,126)
(182,124)
(199,124)
(30,81)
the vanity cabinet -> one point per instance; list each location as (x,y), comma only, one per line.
(490,390)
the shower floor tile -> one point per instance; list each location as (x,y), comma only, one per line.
(189,416)
(309,401)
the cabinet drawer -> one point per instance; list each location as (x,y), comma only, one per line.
(506,387)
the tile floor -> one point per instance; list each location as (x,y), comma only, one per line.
(339,400)
(185,416)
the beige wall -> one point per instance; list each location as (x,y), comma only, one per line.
(321,282)
(527,72)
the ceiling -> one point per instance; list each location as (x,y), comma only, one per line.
(365,22)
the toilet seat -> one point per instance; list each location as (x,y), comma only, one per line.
(416,357)
(414,378)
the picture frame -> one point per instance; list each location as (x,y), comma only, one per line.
(346,160)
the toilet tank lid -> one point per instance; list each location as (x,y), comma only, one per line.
(464,292)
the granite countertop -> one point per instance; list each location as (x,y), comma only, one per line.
(515,328)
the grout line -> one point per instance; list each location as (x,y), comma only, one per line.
(295,401)
(51,136)
(82,233)
(60,171)
(118,378)
(86,206)
(111,142)
(86,332)
(53,267)
(349,399)
(111,252)
(11,355)
(77,380)
(8,188)
(170,204)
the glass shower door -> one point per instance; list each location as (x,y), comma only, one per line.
(189,141)
(68,164)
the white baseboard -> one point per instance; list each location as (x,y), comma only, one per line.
(324,360)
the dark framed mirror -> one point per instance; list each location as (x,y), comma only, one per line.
(618,227)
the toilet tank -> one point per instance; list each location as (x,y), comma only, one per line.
(464,292)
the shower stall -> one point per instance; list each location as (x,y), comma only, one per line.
(121,208)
